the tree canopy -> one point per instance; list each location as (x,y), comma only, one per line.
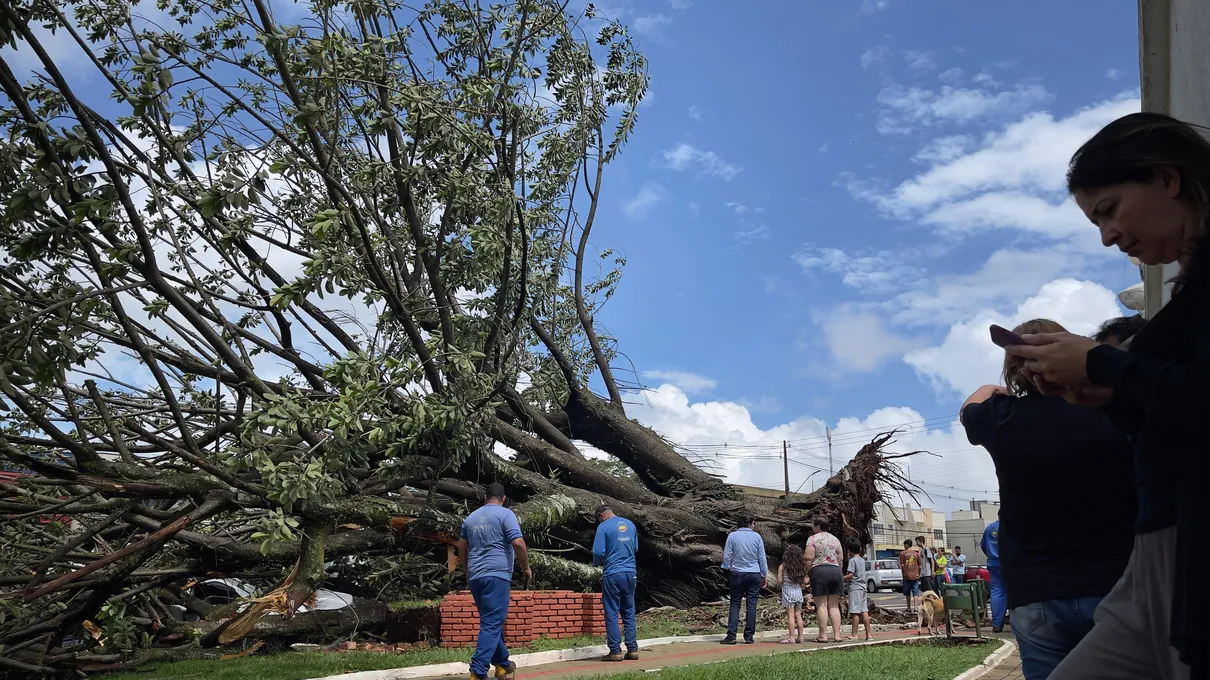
(282,287)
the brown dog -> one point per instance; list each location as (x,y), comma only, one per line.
(931,614)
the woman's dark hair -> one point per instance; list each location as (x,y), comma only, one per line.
(795,563)
(822,524)
(1014,380)
(1132,149)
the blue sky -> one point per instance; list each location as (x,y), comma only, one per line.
(827,202)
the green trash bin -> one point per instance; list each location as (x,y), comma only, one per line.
(963,597)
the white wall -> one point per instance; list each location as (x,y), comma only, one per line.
(1174,56)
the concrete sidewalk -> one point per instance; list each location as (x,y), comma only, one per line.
(683,654)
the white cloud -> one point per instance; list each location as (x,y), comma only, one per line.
(944,149)
(874,56)
(680,4)
(695,112)
(1007,276)
(651,25)
(641,203)
(690,383)
(967,358)
(1013,178)
(737,207)
(859,341)
(1112,74)
(871,6)
(757,233)
(875,272)
(684,157)
(905,109)
(753,455)
(950,75)
(920,62)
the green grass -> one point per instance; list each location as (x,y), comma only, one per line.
(302,665)
(920,661)
(916,661)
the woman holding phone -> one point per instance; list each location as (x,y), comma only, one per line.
(1144,181)
(1054,569)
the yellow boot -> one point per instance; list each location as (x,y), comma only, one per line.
(506,672)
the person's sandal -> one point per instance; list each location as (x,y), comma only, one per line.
(787,641)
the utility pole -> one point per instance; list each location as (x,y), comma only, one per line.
(831,469)
(785,463)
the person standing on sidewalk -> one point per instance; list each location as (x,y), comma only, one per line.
(614,548)
(744,555)
(909,567)
(490,541)
(958,562)
(928,564)
(990,545)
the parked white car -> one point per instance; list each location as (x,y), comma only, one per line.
(884,574)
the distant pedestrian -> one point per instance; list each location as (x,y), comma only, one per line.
(958,561)
(791,576)
(490,540)
(824,554)
(859,606)
(909,568)
(941,573)
(744,555)
(614,548)
(990,545)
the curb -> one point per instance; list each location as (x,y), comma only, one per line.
(989,664)
(555,656)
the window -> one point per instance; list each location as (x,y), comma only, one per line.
(879,530)
(939,534)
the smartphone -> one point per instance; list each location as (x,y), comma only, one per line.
(1004,337)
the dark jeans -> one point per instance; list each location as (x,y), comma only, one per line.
(927,584)
(491,599)
(1048,631)
(744,587)
(959,578)
(617,598)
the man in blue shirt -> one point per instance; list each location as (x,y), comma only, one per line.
(491,538)
(744,555)
(991,547)
(614,548)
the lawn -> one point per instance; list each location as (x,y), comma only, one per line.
(302,665)
(919,661)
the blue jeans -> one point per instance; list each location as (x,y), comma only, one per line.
(617,597)
(744,587)
(959,578)
(491,599)
(1048,631)
(999,596)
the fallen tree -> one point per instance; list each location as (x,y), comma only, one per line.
(272,295)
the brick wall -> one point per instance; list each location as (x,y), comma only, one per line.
(553,614)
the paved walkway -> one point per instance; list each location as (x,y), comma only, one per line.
(683,654)
(1009,669)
